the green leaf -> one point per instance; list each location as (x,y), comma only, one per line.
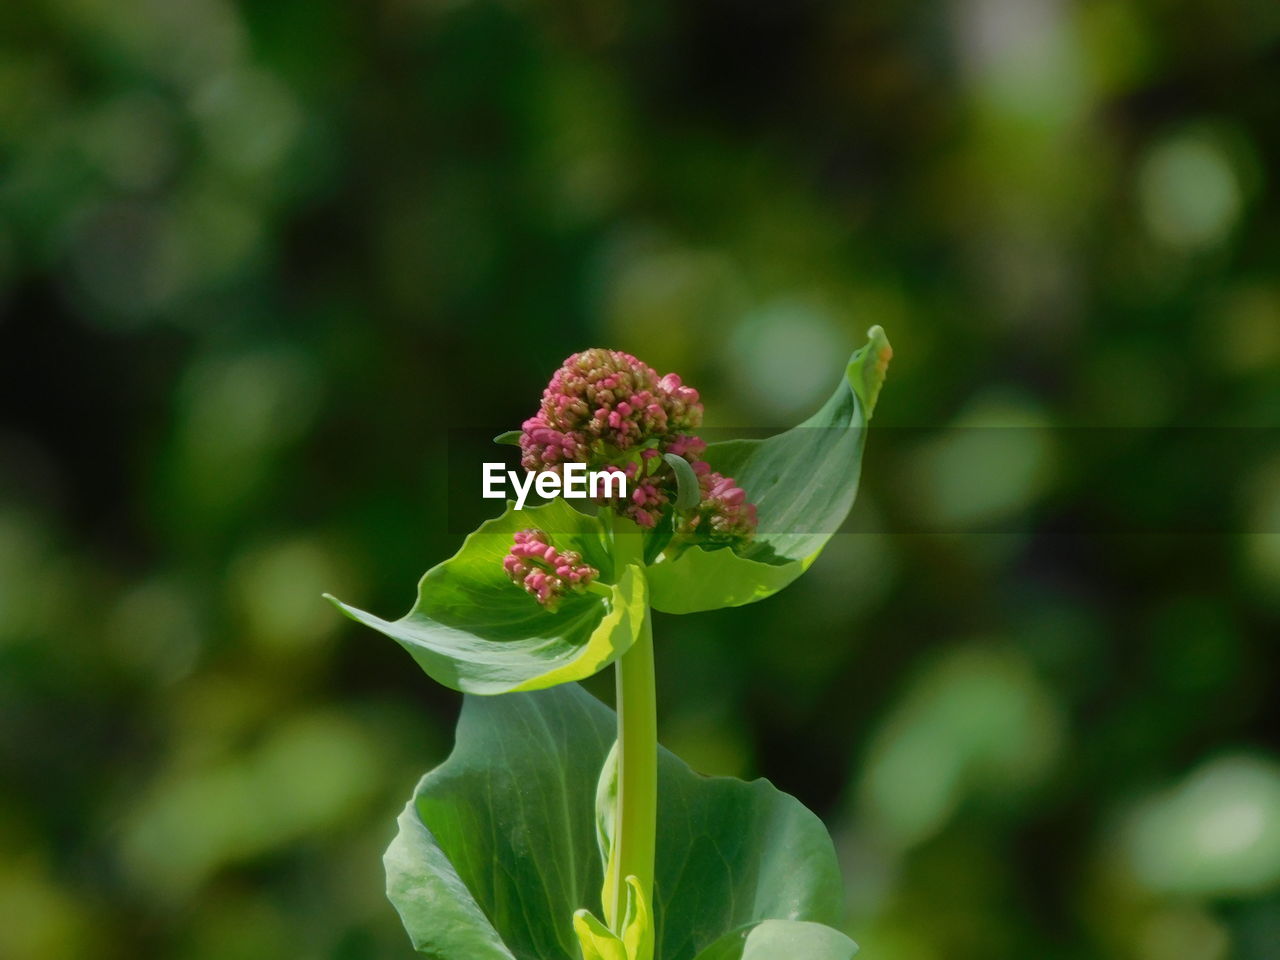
(598,942)
(868,367)
(606,808)
(803,483)
(657,538)
(498,849)
(472,629)
(508,438)
(688,493)
(701,579)
(782,940)
(441,916)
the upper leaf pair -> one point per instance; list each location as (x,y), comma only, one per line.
(472,630)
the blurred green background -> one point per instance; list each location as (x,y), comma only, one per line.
(256,258)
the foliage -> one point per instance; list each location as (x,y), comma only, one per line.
(467,610)
(253,256)
(503,830)
(490,859)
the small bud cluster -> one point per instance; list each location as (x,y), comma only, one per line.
(546,574)
(723,513)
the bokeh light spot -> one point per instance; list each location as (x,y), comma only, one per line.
(1216,833)
(783,355)
(1190,193)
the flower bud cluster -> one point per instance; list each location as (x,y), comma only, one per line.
(602,403)
(546,574)
(612,412)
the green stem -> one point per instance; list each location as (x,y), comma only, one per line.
(636,824)
(635,832)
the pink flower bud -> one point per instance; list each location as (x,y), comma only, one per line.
(598,407)
(545,573)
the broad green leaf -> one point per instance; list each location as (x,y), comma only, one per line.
(500,836)
(782,940)
(472,629)
(441,916)
(500,841)
(732,853)
(803,483)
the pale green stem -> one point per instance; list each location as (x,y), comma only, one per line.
(635,832)
(636,824)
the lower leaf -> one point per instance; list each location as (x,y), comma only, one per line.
(782,940)
(498,850)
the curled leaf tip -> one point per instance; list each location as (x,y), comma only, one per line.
(637,926)
(337,603)
(597,941)
(635,940)
(687,491)
(869,366)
